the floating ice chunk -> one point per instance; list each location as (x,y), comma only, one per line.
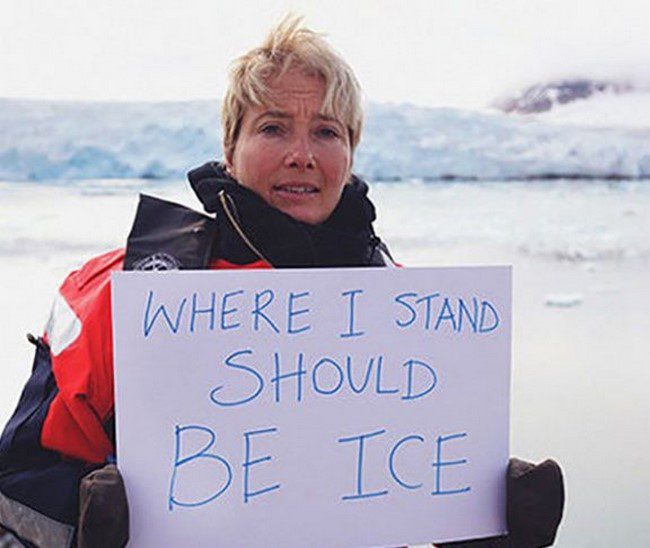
(563,300)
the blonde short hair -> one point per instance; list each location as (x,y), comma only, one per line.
(288,45)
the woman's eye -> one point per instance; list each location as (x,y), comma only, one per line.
(271,129)
(327,132)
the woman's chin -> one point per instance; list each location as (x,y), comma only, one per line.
(307,215)
(304,216)
(306,209)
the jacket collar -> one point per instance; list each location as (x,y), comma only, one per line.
(346,238)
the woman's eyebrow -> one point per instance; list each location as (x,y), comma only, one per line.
(326,118)
(284,115)
(271,114)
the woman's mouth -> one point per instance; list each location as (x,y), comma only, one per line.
(296,188)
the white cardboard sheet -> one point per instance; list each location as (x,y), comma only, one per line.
(325,407)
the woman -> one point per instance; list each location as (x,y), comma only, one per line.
(284,197)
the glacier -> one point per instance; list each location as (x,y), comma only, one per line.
(66,140)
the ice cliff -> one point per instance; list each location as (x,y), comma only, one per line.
(46,140)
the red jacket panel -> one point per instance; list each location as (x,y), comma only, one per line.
(80,336)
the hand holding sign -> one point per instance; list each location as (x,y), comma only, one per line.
(320,407)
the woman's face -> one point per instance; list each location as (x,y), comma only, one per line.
(295,158)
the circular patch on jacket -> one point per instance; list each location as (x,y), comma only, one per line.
(157,261)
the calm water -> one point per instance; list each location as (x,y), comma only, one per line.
(580,373)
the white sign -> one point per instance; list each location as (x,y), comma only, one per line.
(324,407)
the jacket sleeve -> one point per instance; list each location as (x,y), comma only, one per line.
(79,334)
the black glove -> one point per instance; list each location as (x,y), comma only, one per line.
(534,501)
(103,510)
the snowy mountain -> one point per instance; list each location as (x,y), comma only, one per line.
(581,102)
(631,111)
(546,96)
(42,140)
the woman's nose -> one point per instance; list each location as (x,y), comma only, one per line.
(300,155)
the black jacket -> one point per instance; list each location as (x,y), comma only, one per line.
(245,229)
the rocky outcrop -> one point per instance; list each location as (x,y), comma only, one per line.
(543,97)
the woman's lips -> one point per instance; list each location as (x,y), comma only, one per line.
(296,188)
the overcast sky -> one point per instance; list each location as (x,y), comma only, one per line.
(433,52)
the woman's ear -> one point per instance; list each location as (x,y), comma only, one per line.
(228,163)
